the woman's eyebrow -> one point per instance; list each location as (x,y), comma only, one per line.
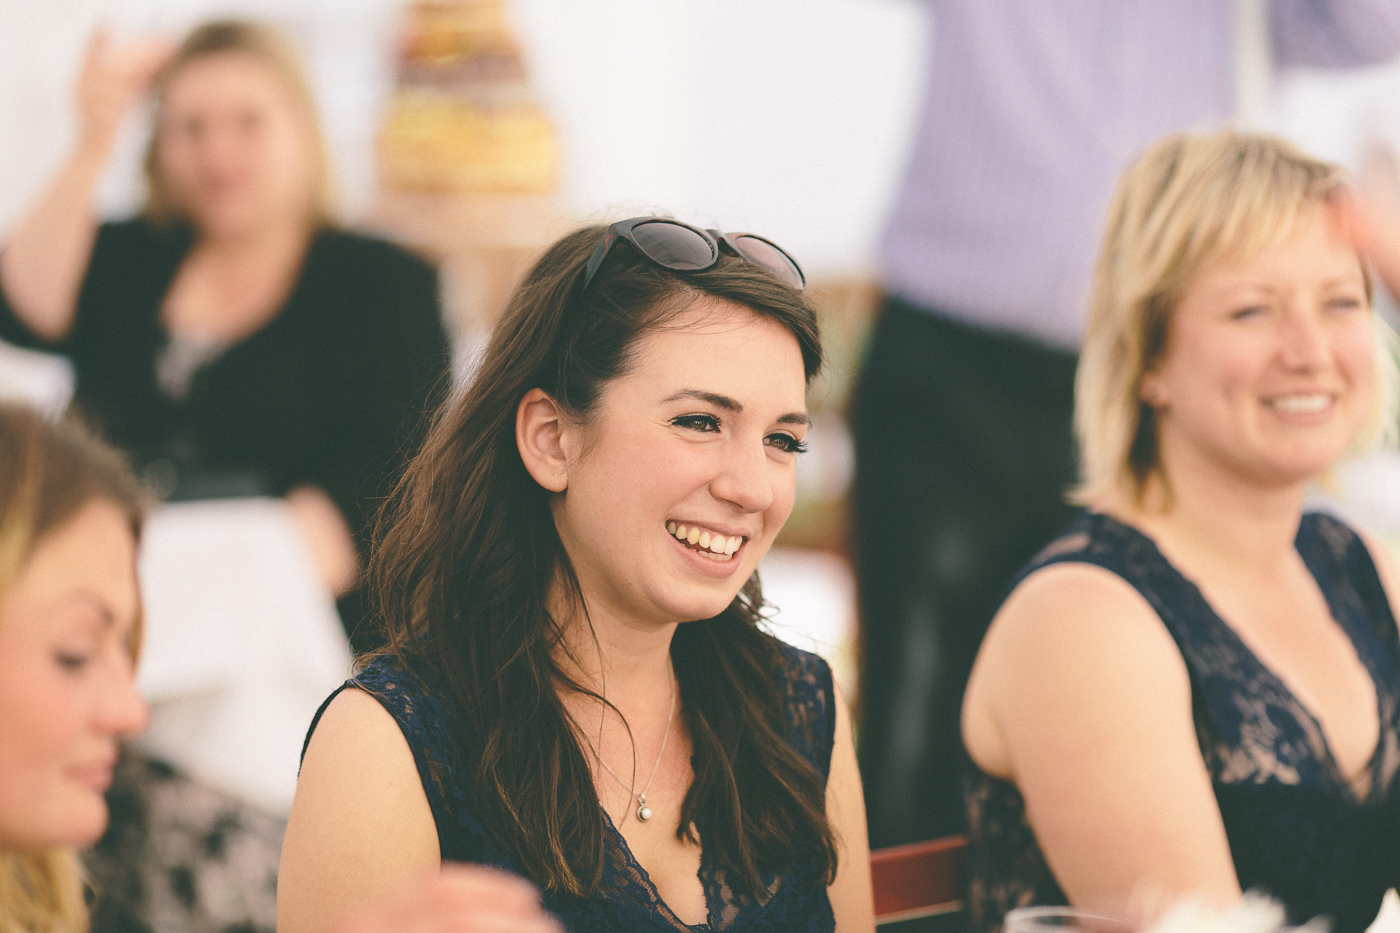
(729,404)
(714,398)
(86,597)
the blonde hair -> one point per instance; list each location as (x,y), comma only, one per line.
(42,893)
(269,48)
(1189,202)
(47,474)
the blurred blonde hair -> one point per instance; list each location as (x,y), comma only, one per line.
(42,893)
(1189,202)
(269,48)
(48,473)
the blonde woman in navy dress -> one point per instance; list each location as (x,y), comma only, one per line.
(1196,689)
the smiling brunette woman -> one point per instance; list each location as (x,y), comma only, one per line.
(577,690)
(1196,689)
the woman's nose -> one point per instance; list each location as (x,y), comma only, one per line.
(124,710)
(745,480)
(1305,338)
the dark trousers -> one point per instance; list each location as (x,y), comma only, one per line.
(964,452)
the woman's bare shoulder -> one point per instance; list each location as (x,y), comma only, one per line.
(360,822)
(1383,556)
(1077,604)
(1073,643)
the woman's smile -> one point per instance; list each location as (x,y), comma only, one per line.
(712,544)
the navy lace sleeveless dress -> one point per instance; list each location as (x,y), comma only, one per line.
(626,901)
(1296,828)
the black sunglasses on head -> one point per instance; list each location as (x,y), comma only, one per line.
(683,248)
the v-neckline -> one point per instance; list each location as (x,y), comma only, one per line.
(1327,757)
(644,879)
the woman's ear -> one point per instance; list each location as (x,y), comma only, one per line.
(540,432)
(1150,391)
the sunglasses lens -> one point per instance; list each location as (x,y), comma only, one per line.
(762,253)
(674,246)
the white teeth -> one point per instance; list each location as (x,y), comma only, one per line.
(1301,404)
(718,546)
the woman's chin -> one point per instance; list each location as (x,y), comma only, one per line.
(73,831)
(88,823)
(699,606)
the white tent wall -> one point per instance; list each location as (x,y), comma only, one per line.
(786,116)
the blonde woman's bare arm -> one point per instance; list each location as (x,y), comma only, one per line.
(1080,698)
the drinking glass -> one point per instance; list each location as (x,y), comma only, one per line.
(1062,920)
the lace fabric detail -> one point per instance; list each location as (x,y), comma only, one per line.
(1296,827)
(626,900)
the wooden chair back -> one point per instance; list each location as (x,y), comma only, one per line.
(921,879)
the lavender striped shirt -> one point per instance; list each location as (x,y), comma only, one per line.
(1032,110)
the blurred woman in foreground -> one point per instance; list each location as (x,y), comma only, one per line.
(1196,689)
(229,338)
(70,628)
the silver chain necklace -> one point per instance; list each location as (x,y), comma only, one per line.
(643,811)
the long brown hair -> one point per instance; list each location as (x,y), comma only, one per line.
(467,552)
(48,473)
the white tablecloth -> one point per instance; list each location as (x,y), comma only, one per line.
(242,644)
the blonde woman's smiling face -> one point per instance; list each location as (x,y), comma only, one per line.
(1270,368)
(67,690)
(685,472)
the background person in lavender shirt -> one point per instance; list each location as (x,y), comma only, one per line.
(962,413)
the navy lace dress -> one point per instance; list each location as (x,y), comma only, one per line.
(626,901)
(1296,827)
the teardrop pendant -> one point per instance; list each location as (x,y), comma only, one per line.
(643,811)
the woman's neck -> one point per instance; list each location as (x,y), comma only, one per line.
(229,287)
(1218,515)
(275,243)
(616,658)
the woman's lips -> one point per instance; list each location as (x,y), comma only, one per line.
(96,775)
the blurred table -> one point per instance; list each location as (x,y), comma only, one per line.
(242,644)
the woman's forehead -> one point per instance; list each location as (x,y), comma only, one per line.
(723,350)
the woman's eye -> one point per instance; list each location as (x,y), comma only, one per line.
(706,423)
(786,442)
(72,660)
(1244,314)
(1345,303)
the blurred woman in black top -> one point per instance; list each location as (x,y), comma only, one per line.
(229,337)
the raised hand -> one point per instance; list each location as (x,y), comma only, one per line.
(114,77)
